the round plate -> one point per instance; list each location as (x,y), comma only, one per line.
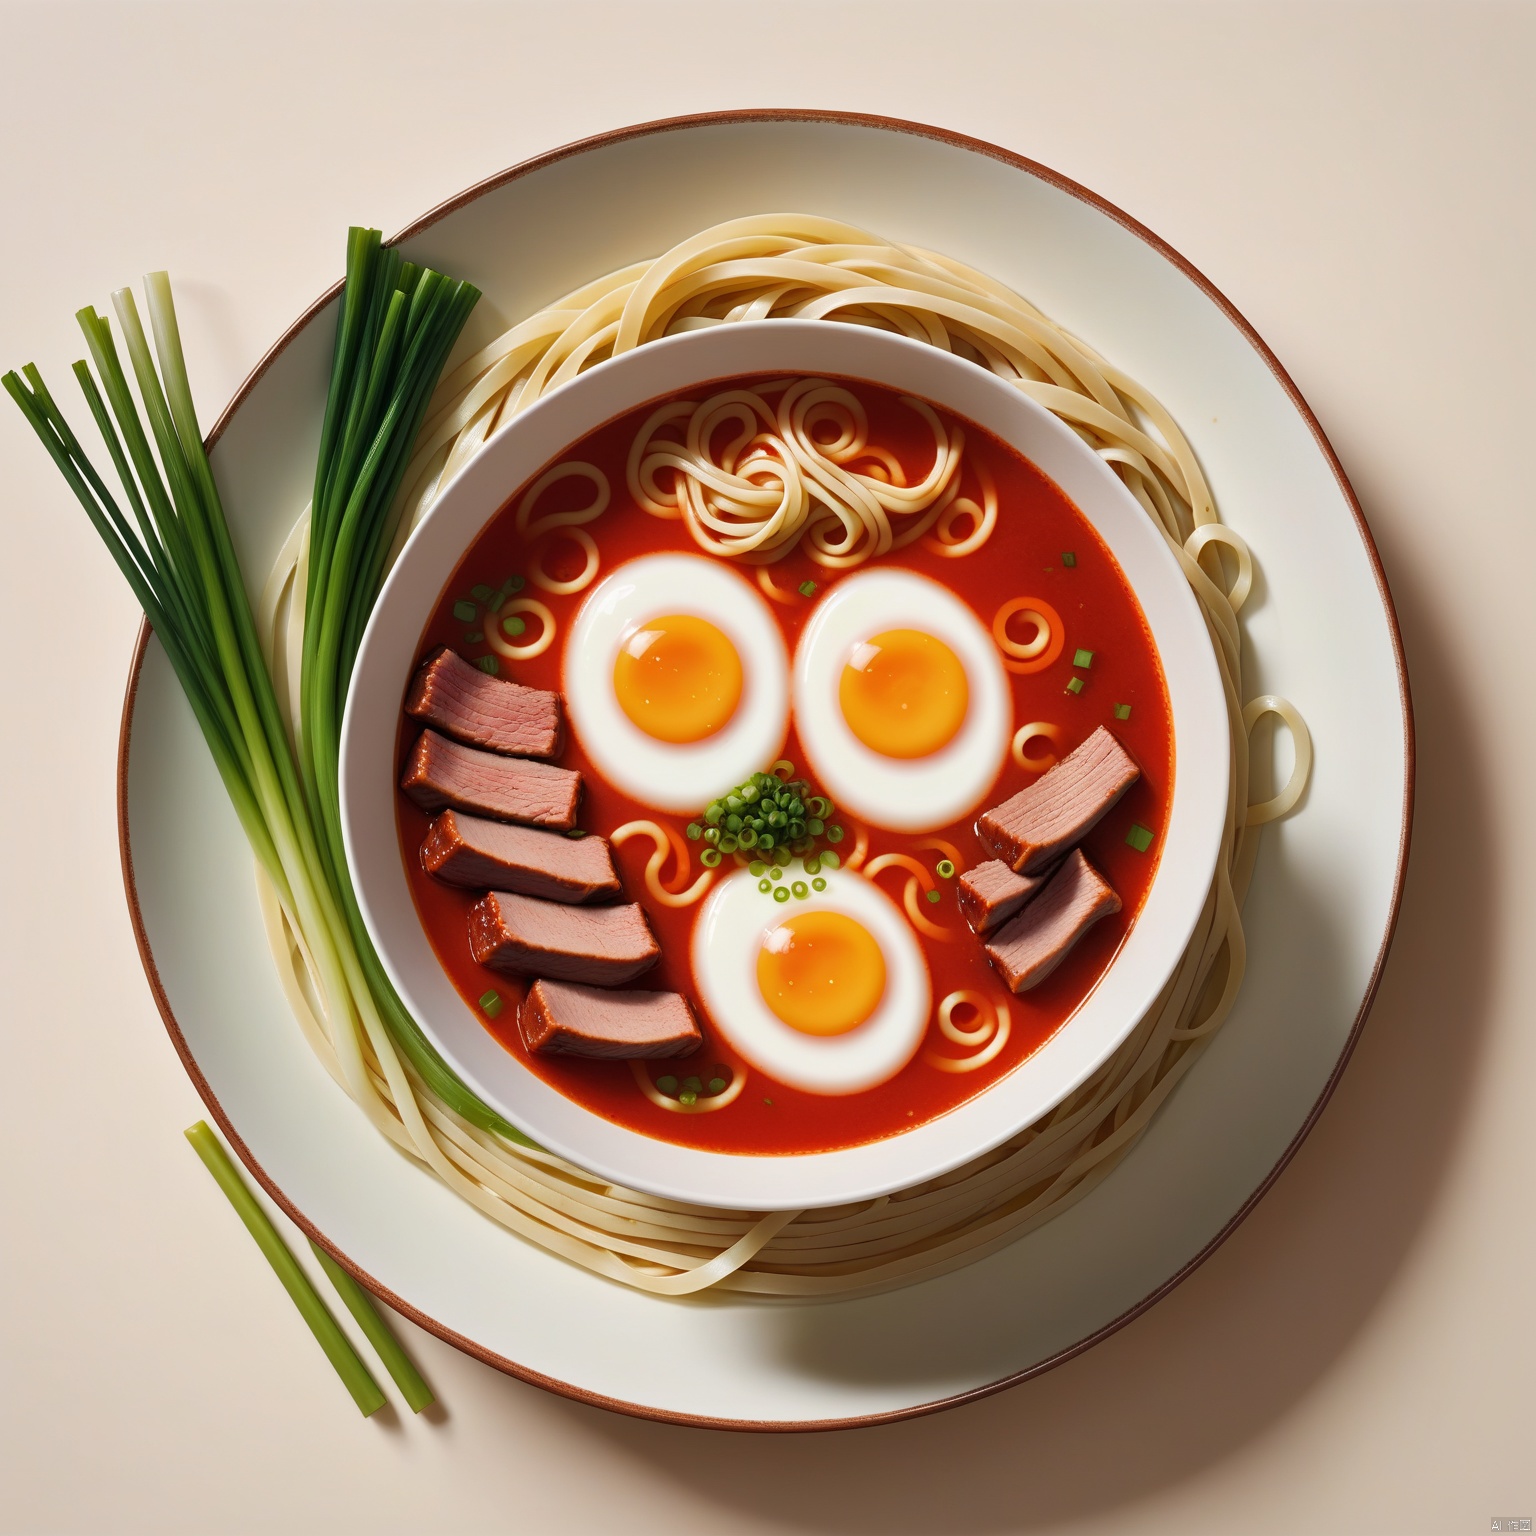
(1319,916)
(1190,844)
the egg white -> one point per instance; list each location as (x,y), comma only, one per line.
(727,938)
(900,794)
(678,777)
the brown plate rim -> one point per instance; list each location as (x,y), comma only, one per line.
(639,1410)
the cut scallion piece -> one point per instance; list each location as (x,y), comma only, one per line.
(465,612)
(1122,711)
(1139,837)
(1075,685)
(1068,559)
(386,1346)
(338,1348)
(1083,659)
(945,869)
(807,588)
(490,1004)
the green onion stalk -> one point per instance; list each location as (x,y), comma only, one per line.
(396,326)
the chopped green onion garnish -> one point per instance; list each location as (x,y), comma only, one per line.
(786,765)
(933,895)
(473,636)
(1068,559)
(819,883)
(757,867)
(576,832)
(1083,659)
(693,1083)
(489,665)
(711,835)
(667,1084)
(834,835)
(513,625)
(812,865)
(765,886)
(945,868)
(1075,685)
(688,1096)
(781,893)
(775,873)
(480,592)
(1122,711)
(713,812)
(717,1085)
(513,584)
(490,1004)
(801,890)
(465,611)
(693,831)
(830,860)
(709,858)
(1139,837)
(768,1102)
(807,588)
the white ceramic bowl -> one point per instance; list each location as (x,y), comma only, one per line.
(388,655)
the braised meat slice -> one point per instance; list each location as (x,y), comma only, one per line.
(463,702)
(600,946)
(442,773)
(560,1018)
(991,893)
(1030,946)
(483,855)
(1037,825)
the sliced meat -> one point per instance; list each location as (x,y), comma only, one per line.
(1030,946)
(601,946)
(467,704)
(1040,823)
(442,773)
(559,1018)
(483,855)
(991,893)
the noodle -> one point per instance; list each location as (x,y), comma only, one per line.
(991,1033)
(775,486)
(811,267)
(1027,733)
(667,846)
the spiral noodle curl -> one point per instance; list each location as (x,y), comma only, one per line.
(754,480)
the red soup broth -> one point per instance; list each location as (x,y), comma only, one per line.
(1041,547)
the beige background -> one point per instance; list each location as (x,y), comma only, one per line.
(1359,180)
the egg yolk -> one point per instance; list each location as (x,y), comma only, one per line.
(678,678)
(822,973)
(904,693)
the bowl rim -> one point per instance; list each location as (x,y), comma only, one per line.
(745,117)
(522,449)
